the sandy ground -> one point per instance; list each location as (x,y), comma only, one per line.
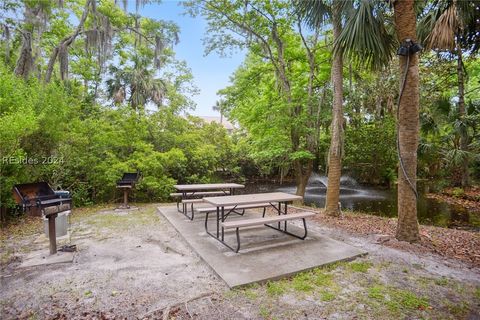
(134,265)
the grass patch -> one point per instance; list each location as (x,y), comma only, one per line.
(477,292)
(275,288)
(376,293)
(333,266)
(396,299)
(443,281)
(264,312)
(459,310)
(302,282)
(251,291)
(6,256)
(322,279)
(383,265)
(409,300)
(361,266)
(327,296)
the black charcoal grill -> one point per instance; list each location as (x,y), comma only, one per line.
(39,199)
(127,183)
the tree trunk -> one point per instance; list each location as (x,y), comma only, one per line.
(25,59)
(408,127)
(302,174)
(335,152)
(461,114)
(63,46)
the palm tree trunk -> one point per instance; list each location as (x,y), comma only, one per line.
(461,114)
(335,152)
(408,127)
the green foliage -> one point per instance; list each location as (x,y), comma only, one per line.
(458,192)
(370,151)
(91,151)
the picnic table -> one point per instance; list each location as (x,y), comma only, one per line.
(189,193)
(226,205)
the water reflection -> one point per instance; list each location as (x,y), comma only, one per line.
(377,201)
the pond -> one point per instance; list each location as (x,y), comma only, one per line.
(377,201)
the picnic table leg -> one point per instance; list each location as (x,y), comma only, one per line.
(223,219)
(238,240)
(184,205)
(285,225)
(218,222)
(279,212)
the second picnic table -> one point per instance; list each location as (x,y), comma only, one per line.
(191,191)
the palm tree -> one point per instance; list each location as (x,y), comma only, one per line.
(139,82)
(219,106)
(365,39)
(452,26)
(315,13)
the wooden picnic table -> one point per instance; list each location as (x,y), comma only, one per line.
(227,204)
(207,186)
(191,191)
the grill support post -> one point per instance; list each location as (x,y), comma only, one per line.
(52,233)
(126,189)
(125,198)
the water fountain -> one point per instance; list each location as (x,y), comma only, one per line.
(351,193)
(373,200)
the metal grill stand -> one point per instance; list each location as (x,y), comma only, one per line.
(52,236)
(38,198)
(127,183)
(126,190)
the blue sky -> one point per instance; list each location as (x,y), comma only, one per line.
(211,72)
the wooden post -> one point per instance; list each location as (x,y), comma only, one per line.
(125,198)
(52,233)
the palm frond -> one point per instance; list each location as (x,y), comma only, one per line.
(365,39)
(313,12)
(443,33)
(457,157)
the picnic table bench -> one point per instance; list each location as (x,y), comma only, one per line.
(223,206)
(193,193)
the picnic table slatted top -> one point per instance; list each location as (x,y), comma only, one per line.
(208,186)
(252,198)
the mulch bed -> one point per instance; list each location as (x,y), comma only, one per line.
(452,243)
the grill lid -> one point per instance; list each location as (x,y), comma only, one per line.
(39,195)
(129,178)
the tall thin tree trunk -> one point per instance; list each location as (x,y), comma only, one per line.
(461,114)
(335,152)
(408,127)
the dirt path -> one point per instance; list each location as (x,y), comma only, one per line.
(134,265)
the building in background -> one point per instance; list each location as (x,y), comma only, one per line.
(221,120)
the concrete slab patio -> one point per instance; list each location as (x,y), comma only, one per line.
(266,254)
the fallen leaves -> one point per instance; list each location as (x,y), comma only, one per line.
(462,245)
(469,199)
